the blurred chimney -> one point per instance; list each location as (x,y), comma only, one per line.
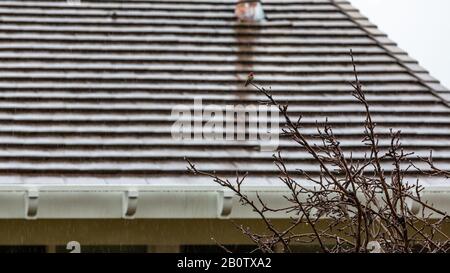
(249,11)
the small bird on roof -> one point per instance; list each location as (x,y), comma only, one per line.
(250,78)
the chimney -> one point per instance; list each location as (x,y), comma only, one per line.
(249,11)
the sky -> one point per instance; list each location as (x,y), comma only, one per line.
(420,27)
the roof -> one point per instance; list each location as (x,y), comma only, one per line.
(86,91)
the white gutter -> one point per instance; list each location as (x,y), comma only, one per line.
(149,201)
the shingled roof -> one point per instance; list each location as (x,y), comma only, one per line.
(87,90)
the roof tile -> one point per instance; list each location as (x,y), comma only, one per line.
(87,90)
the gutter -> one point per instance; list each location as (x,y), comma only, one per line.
(151,201)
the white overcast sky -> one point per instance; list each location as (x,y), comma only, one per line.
(420,27)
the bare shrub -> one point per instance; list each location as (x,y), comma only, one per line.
(365,208)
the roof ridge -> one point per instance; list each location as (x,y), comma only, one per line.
(403,59)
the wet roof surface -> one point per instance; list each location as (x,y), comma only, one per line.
(87,90)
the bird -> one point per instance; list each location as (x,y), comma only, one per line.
(250,78)
(114,15)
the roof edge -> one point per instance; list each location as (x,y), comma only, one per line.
(402,57)
(144,202)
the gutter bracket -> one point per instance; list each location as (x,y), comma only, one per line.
(129,204)
(31,204)
(224,203)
